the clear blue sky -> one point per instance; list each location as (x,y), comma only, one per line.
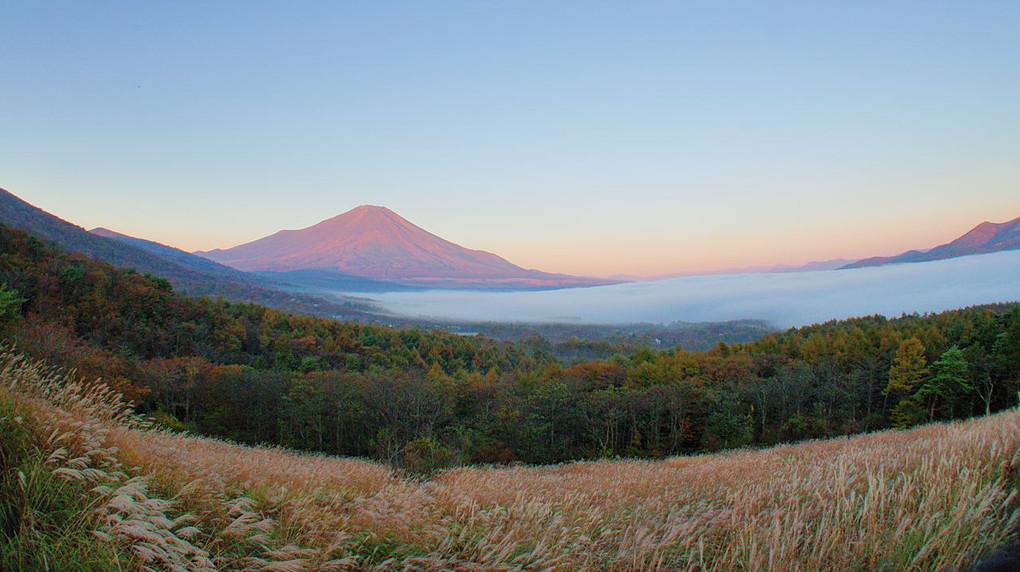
(581,137)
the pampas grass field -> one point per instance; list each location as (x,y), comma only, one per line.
(88,485)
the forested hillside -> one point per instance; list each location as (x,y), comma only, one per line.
(427,399)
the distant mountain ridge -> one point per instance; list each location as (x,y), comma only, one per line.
(190,274)
(21,215)
(375,242)
(175,255)
(984,238)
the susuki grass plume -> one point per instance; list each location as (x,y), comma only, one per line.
(937,497)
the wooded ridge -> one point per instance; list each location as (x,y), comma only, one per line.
(423,400)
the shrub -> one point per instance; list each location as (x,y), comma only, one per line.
(424,456)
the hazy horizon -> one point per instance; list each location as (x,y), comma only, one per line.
(782,299)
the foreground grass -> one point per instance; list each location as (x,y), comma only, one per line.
(934,498)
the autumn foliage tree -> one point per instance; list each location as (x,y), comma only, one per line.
(905,376)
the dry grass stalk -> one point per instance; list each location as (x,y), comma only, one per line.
(75,420)
(936,497)
(932,498)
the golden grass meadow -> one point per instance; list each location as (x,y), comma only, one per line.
(87,485)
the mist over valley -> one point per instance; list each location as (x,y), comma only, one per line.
(783,299)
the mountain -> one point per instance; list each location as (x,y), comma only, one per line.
(188,273)
(982,239)
(298,281)
(375,242)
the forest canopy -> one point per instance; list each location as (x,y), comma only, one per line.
(425,399)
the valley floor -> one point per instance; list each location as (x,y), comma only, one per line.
(938,497)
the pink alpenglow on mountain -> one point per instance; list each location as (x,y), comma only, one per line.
(375,242)
(984,238)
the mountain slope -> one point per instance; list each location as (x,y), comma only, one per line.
(374,242)
(985,238)
(176,255)
(16,213)
(188,273)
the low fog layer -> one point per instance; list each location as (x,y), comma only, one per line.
(784,299)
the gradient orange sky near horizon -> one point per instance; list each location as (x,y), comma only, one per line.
(587,138)
(653,255)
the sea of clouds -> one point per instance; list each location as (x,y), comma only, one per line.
(783,299)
